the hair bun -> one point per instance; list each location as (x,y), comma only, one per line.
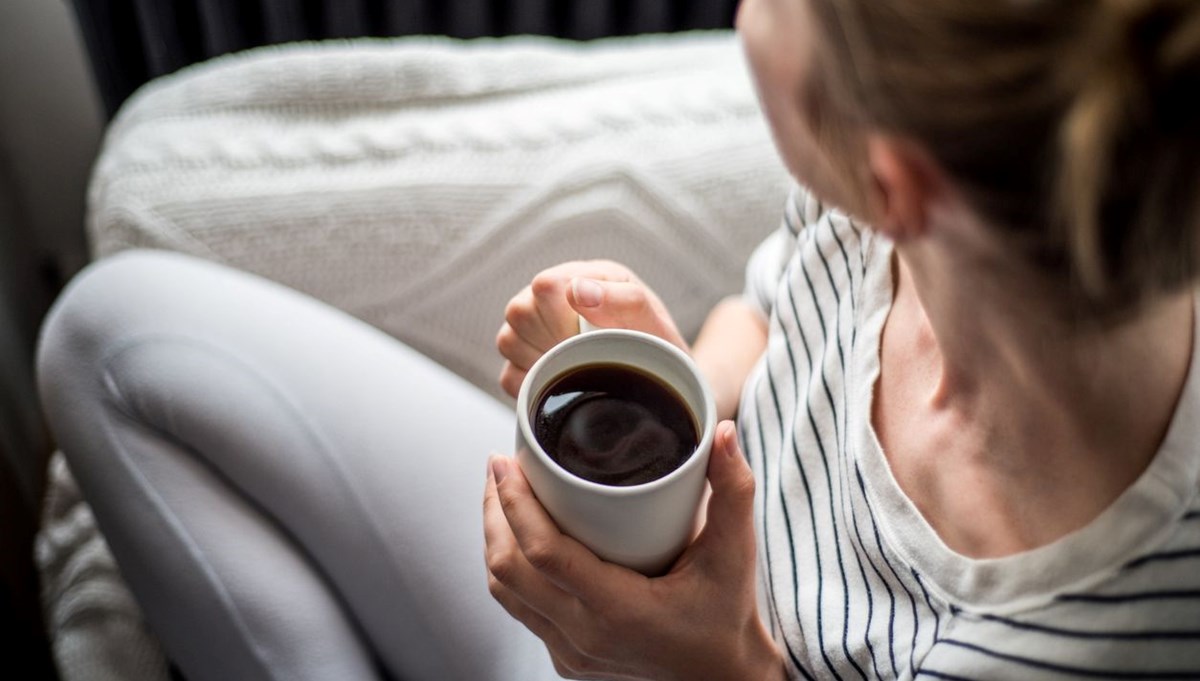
(1124,139)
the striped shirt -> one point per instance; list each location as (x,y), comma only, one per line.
(857,585)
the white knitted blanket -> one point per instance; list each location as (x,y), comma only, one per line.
(418,184)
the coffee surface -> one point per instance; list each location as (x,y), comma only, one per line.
(614,425)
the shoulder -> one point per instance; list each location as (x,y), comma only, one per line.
(820,255)
(824,230)
(833,250)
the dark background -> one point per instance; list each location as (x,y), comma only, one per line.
(131,41)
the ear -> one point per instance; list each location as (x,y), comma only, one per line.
(904,180)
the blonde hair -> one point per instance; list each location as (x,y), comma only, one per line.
(1071,125)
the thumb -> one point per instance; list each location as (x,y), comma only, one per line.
(728,534)
(623,305)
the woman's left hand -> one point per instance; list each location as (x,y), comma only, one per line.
(602,621)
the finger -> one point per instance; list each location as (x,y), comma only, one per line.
(527,321)
(568,661)
(728,534)
(534,621)
(520,352)
(562,560)
(521,611)
(511,378)
(549,290)
(624,305)
(603,270)
(508,567)
(561,668)
(578,667)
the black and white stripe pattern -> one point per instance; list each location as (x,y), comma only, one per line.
(847,600)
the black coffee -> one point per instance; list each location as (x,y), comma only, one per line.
(614,425)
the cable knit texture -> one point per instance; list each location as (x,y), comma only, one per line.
(418,184)
(97,630)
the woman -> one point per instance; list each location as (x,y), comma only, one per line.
(968,432)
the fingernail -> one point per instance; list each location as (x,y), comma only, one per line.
(587,292)
(499,468)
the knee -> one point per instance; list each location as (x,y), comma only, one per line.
(97,310)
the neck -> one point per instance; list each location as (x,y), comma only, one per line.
(1057,416)
(988,336)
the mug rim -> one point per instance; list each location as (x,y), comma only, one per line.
(709,416)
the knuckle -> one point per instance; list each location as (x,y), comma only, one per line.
(638,299)
(744,486)
(576,664)
(506,340)
(562,669)
(545,283)
(542,556)
(495,587)
(592,646)
(518,311)
(501,568)
(508,499)
(502,337)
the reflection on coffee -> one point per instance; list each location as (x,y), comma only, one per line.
(612,424)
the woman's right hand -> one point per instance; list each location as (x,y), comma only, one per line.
(605,293)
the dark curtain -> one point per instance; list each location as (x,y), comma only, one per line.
(132,41)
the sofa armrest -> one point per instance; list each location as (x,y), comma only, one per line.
(418,183)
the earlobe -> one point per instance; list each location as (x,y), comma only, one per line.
(902,188)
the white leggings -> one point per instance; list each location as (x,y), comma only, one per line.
(290,493)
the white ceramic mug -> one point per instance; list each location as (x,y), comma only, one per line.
(643,527)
